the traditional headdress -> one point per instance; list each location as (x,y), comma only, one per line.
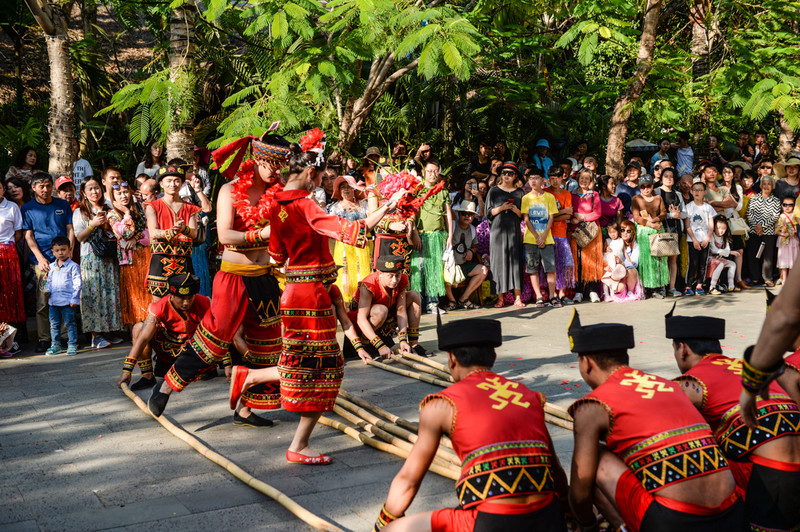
(267,149)
(693,327)
(598,338)
(469,332)
(312,141)
(184,284)
(392,255)
(171,170)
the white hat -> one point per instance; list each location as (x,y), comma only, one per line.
(467,206)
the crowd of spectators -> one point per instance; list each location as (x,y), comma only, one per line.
(524,225)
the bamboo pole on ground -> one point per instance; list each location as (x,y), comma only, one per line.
(447,472)
(419,376)
(363,403)
(427,361)
(258,485)
(423,368)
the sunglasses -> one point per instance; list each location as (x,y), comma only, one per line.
(120,185)
(507,172)
(626,230)
(645,186)
(788,204)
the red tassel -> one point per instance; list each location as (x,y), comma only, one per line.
(236,150)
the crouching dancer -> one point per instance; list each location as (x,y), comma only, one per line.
(511,477)
(660,468)
(170,322)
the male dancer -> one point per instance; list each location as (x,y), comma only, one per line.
(511,475)
(765,460)
(383,306)
(245,290)
(660,468)
(170,322)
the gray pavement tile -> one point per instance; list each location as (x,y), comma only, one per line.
(25,432)
(254,517)
(21,526)
(231,495)
(114,516)
(141,486)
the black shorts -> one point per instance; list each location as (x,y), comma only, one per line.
(773,498)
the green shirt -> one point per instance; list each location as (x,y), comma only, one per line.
(433,215)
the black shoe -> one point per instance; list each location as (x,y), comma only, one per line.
(143,384)
(158,401)
(251,421)
(42,346)
(418,349)
(15,349)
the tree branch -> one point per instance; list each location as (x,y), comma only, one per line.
(42,15)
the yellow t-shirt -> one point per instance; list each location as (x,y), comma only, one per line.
(539,210)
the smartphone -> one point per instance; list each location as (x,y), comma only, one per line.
(510,200)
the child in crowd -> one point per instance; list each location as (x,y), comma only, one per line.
(720,251)
(65,188)
(613,257)
(613,244)
(788,243)
(63,289)
(538,210)
(565,264)
(699,227)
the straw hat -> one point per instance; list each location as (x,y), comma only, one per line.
(741,164)
(358,189)
(780,168)
(467,206)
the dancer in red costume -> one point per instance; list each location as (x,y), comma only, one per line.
(311,365)
(765,460)
(245,290)
(511,478)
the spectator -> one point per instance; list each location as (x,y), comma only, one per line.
(565,264)
(661,155)
(153,160)
(786,230)
(580,151)
(760,140)
(719,256)
(590,163)
(586,206)
(736,243)
(699,227)
(622,261)
(18,191)
(714,152)
(788,178)
(354,262)
(763,155)
(611,207)
(369,166)
(435,226)
(538,210)
(197,187)
(524,159)
(469,193)
(716,196)
(100,301)
(81,169)
(25,164)
(659,167)
(12,307)
(746,151)
(127,221)
(649,212)
(465,251)
(494,172)
(501,150)
(63,289)
(424,155)
(627,190)
(526,187)
(43,219)
(685,154)
(676,213)
(764,169)
(480,166)
(150,190)
(324,194)
(540,158)
(172,226)
(399,156)
(8,347)
(193,191)
(110,176)
(137,186)
(567,169)
(483,191)
(762,212)
(503,204)
(351,167)
(65,189)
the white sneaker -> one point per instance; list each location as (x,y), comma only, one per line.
(433,308)
(593,297)
(578,298)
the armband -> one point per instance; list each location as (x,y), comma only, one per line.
(146,366)
(755,380)
(253,237)
(384,518)
(377,343)
(357,344)
(226,361)
(413,334)
(128,365)
(169,234)
(89,227)
(186,230)
(402,336)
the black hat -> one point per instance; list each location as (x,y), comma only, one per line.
(468,332)
(694,327)
(510,165)
(390,263)
(171,170)
(633,164)
(392,255)
(599,337)
(184,284)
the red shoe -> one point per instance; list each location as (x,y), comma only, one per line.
(238,376)
(297,458)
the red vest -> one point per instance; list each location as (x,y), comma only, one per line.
(180,245)
(720,378)
(174,329)
(499,434)
(380,296)
(655,429)
(793,360)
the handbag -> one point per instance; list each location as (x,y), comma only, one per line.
(584,233)
(103,243)
(738,225)
(202,230)
(452,273)
(664,245)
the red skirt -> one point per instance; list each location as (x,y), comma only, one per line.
(12,305)
(134,297)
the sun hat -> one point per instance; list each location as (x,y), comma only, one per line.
(542,142)
(780,168)
(358,189)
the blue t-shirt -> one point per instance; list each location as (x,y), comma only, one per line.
(625,193)
(47,221)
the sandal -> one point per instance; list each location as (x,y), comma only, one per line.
(451,305)
(297,458)
(500,302)
(469,305)
(555,302)
(539,302)
(518,303)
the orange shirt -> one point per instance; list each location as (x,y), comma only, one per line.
(564,200)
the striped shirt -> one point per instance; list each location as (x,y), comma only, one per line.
(763,211)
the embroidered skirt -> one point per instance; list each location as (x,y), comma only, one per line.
(134,297)
(100,301)
(311,365)
(12,304)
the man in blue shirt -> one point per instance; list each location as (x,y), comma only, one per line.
(630,188)
(43,219)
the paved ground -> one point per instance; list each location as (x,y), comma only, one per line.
(76,454)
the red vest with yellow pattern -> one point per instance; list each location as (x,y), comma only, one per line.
(499,434)
(655,429)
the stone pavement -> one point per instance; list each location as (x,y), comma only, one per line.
(76,454)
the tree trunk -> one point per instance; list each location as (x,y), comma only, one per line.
(615,156)
(180,141)
(61,123)
(785,140)
(89,18)
(701,66)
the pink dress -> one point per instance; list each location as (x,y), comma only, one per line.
(787,245)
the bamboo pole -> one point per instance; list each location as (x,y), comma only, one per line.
(393,430)
(262,487)
(377,410)
(423,368)
(427,361)
(447,472)
(553,420)
(557,411)
(419,376)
